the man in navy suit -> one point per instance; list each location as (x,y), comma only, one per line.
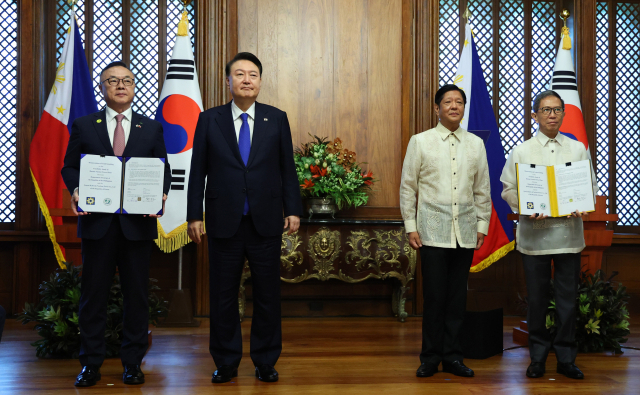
(110,240)
(244,151)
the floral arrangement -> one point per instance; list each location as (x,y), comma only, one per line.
(327,169)
(602,321)
(56,315)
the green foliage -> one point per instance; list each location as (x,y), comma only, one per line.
(602,320)
(56,315)
(326,169)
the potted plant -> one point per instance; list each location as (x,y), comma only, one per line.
(330,177)
(602,320)
(56,315)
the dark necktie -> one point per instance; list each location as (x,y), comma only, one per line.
(244,144)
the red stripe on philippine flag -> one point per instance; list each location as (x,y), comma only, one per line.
(46,158)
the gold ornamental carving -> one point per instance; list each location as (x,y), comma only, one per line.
(324,249)
(385,254)
(289,255)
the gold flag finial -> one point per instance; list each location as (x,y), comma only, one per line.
(466,14)
(565,14)
(566,39)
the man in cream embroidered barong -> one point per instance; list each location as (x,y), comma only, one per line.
(446,167)
(541,239)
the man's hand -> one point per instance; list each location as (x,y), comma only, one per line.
(480,240)
(164,199)
(74,203)
(578,214)
(538,217)
(414,240)
(293,223)
(195,230)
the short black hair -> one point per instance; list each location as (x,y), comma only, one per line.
(544,95)
(117,63)
(243,56)
(448,88)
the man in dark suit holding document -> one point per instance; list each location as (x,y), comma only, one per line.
(542,239)
(110,240)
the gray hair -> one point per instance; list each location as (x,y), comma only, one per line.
(544,95)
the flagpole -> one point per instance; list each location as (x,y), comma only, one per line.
(180,269)
(180,309)
(184,9)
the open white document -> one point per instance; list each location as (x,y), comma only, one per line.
(112,184)
(556,191)
(142,190)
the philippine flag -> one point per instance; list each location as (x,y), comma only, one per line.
(480,119)
(71,97)
(178,111)
(564,83)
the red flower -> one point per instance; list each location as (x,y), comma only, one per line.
(307,184)
(318,171)
(368,178)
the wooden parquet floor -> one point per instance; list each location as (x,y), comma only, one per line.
(320,356)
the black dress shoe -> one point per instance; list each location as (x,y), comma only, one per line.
(427,370)
(266,373)
(89,376)
(132,375)
(457,368)
(535,370)
(570,370)
(224,374)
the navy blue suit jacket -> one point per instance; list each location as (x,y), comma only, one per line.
(88,136)
(269,179)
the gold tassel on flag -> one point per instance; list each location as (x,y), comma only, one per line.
(566,39)
(183,25)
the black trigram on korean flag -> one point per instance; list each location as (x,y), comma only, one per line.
(181,69)
(564,80)
(177,179)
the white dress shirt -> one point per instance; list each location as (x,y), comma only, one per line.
(448,172)
(550,235)
(112,122)
(237,121)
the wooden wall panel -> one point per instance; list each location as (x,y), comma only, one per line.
(335,67)
(384,137)
(288,54)
(352,76)
(6,276)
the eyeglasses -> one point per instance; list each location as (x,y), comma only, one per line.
(547,110)
(113,81)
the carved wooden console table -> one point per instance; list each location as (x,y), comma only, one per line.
(347,250)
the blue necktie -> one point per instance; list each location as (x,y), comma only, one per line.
(244,144)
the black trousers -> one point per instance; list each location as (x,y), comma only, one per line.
(537,270)
(100,259)
(226,260)
(445,272)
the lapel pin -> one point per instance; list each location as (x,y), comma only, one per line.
(266,119)
(99,121)
(138,125)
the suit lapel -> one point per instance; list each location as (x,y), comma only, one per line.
(259,126)
(228,130)
(137,128)
(100,125)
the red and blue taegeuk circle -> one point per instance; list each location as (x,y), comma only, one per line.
(179,116)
